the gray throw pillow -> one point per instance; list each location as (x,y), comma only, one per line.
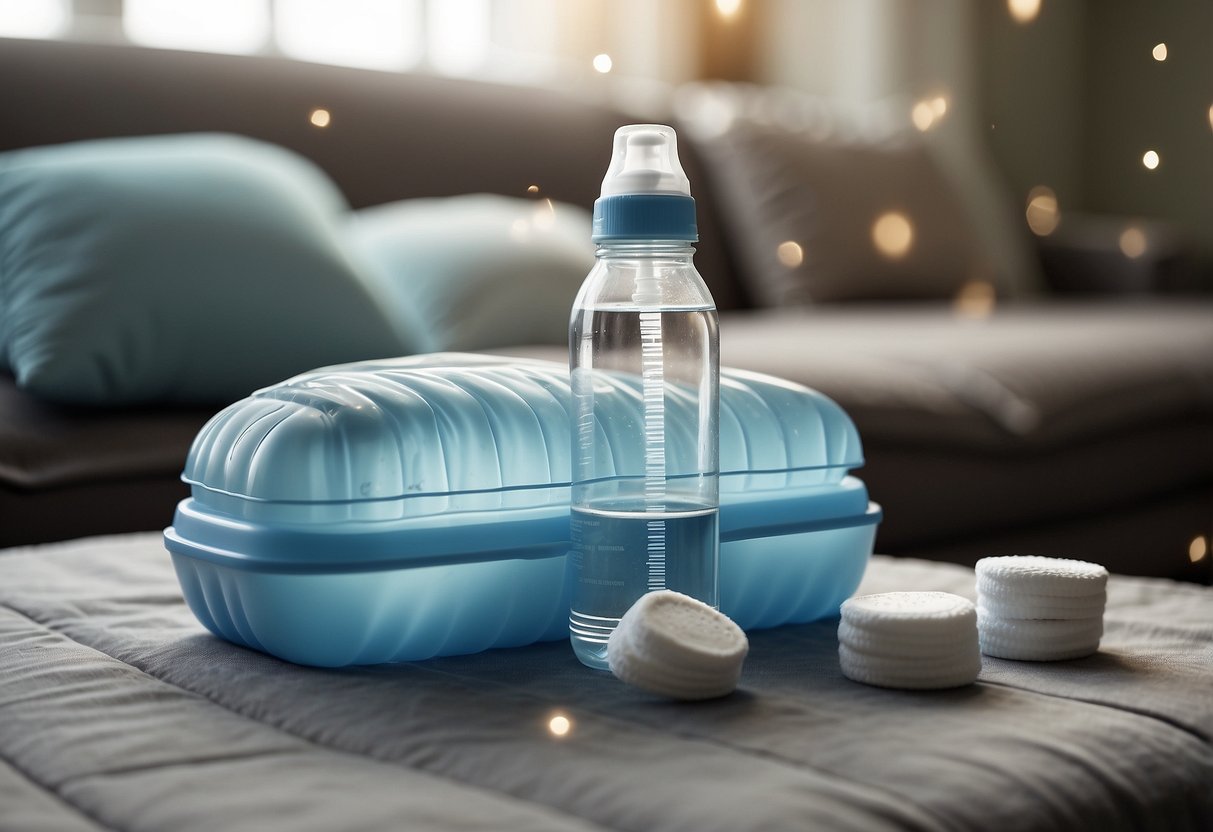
(820,220)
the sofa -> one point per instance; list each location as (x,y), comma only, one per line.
(999,414)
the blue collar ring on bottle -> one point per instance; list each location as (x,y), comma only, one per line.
(645,193)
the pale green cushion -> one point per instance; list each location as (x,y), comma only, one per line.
(190,268)
(482,271)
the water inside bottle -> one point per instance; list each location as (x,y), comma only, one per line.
(614,564)
(641,530)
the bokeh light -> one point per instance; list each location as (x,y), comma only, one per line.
(1133,242)
(923,115)
(603,63)
(893,234)
(790,253)
(1023,11)
(1159,52)
(1150,159)
(560,725)
(728,8)
(1043,214)
(320,117)
(1198,549)
(928,111)
(975,300)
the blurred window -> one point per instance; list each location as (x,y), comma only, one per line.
(453,37)
(34,18)
(239,26)
(459,35)
(374,34)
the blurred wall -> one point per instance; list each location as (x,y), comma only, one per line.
(1071,99)
(1074,98)
(1135,103)
(800,46)
(1030,79)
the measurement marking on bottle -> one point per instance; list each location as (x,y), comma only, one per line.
(652,364)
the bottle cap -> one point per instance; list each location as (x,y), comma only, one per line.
(645,194)
(645,161)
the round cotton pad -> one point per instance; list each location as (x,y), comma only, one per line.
(1026,630)
(913,640)
(905,647)
(910,614)
(669,626)
(1095,601)
(1041,576)
(640,671)
(1038,651)
(963,673)
(1028,607)
(674,645)
(910,667)
(1041,640)
(625,646)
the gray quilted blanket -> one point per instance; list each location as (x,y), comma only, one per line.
(118,711)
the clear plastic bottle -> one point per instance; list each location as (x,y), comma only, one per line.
(646,516)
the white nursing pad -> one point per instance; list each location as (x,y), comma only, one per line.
(858,670)
(1038,651)
(1038,608)
(910,614)
(1019,629)
(637,670)
(932,666)
(674,671)
(912,640)
(674,645)
(1038,640)
(673,627)
(1094,601)
(1041,576)
(903,646)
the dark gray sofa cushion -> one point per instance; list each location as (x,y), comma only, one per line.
(1028,376)
(72,471)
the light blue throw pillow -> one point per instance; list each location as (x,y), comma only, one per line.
(482,271)
(189,268)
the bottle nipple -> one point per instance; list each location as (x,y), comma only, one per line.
(644,160)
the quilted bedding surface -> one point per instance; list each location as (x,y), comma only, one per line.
(118,711)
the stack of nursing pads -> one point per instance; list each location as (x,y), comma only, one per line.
(913,640)
(1040,609)
(671,644)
